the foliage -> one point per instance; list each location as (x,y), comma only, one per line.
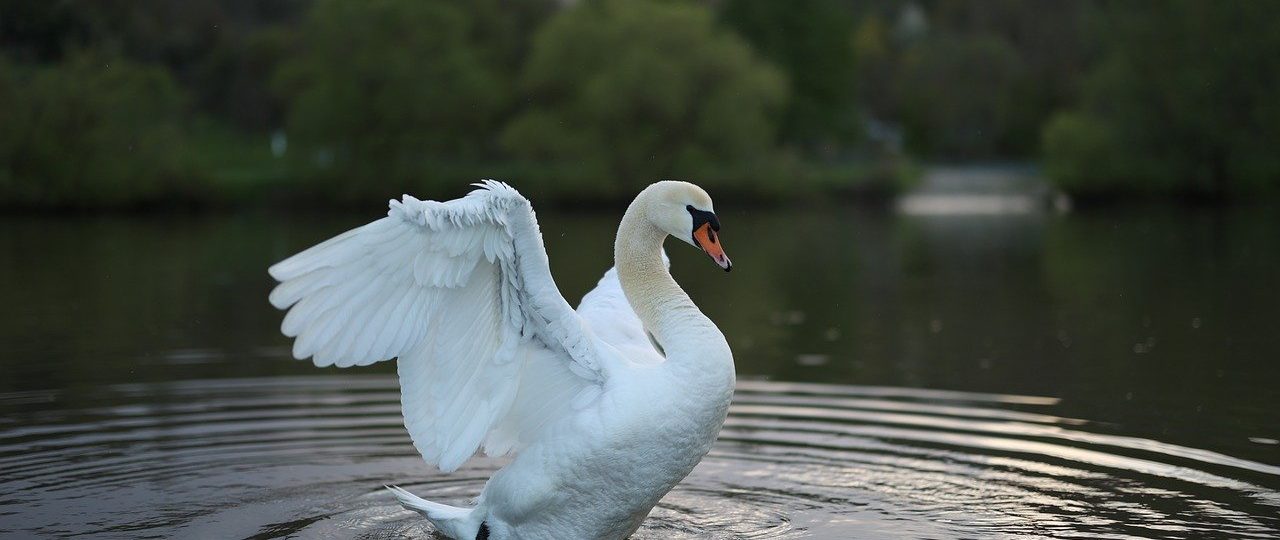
(13,121)
(92,131)
(1097,161)
(811,41)
(969,80)
(374,98)
(1184,102)
(1051,40)
(239,74)
(761,98)
(632,92)
(974,115)
(212,48)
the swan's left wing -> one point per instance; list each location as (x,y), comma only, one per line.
(461,293)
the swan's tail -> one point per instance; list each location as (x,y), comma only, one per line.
(459,523)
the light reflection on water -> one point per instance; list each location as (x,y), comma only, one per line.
(1090,375)
(306,457)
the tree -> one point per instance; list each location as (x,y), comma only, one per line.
(632,92)
(385,92)
(813,42)
(176,35)
(959,96)
(1184,102)
(94,130)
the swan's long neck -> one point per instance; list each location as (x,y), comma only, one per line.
(663,307)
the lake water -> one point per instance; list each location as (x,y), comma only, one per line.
(1114,373)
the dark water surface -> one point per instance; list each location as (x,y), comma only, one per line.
(1111,374)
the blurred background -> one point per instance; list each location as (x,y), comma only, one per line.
(1033,246)
(113,104)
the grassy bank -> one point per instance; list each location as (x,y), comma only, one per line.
(228,169)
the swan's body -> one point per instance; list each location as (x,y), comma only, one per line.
(602,422)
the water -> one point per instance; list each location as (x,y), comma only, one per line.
(1105,374)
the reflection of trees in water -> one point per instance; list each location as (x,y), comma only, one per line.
(859,295)
(973,301)
(1172,306)
(1100,309)
(98,300)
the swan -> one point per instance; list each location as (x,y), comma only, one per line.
(605,408)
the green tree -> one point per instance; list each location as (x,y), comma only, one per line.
(385,93)
(1046,39)
(235,79)
(94,130)
(959,96)
(970,79)
(813,42)
(176,35)
(1183,102)
(13,121)
(630,92)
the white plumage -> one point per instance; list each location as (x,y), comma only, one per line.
(492,356)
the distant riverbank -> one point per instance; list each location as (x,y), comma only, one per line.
(216,168)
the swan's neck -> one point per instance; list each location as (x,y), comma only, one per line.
(663,307)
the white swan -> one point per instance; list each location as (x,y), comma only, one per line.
(607,408)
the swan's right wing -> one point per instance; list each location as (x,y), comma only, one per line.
(461,292)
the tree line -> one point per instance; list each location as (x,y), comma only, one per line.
(124,103)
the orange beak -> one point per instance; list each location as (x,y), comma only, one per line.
(709,241)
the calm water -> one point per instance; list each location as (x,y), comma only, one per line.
(1110,374)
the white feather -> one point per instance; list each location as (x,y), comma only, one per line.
(490,355)
(456,291)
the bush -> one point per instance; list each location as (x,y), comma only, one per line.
(91,131)
(1182,103)
(625,93)
(959,97)
(385,92)
(1080,153)
(811,41)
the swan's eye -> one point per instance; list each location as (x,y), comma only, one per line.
(702,216)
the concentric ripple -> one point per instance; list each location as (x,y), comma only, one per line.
(306,457)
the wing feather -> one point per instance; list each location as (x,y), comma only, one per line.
(461,293)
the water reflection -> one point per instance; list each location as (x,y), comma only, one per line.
(305,457)
(1106,373)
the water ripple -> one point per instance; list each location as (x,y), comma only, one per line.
(305,457)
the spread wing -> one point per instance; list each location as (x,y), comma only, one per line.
(461,292)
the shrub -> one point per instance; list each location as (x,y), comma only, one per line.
(1183,103)
(631,92)
(93,130)
(811,41)
(959,97)
(1081,153)
(385,92)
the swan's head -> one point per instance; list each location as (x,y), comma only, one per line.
(684,211)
